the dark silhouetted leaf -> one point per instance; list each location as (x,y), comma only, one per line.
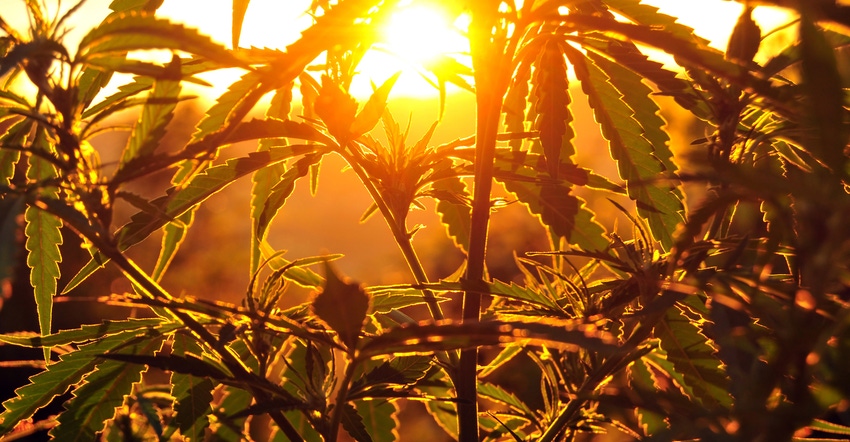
(353,424)
(188,364)
(343,306)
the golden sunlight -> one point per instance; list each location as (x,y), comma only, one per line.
(414,36)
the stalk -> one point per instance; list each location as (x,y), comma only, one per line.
(155,291)
(488,67)
(341,400)
(400,235)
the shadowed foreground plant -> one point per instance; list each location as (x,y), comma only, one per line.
(725,320)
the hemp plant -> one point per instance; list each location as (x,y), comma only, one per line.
(689,328)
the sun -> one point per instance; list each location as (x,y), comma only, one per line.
(414,37)
(421,32)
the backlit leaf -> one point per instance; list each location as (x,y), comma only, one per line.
(193,394)
(379,419)
(101,392)
(43,240)
(282,190)
(57,379)
(133,30)
(371,113)
(657,201)
(400,371)
(218,115)
(694,356)
(438,387)
(240,7)
(181,199)
(454,209)
(172,236)
(500,395)
(82,334)
(564,214)
(156,114)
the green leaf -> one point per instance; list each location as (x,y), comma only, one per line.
(85,333)
(400,371)
(142,30)
(180,199)
(693,356)
(438,387)
(266,178)
(353,424)
(234,400)
(343,306)
(823,85)
(173,235)
(496,427)
(57,379)
(626,54)
(101,392)
(515,103)
(650,15)
(15,135)
(637,161)
(500,395)
(379,419)
(829,427)
(371,113)
(511,291)
(642,379)
(193,394)
(218,115)
(125,91)
(504,356)
(638,96)
(240,7)
(386,301)
(156,114)
(282,190)
(135,5)
(44,236)
(564,214)
(551,88)
(188,364)
(454,209)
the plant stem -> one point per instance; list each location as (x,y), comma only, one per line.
(399,232)
(341,400)
(141,279)
(486,61)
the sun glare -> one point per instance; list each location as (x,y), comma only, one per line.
(420,33)
(417,34)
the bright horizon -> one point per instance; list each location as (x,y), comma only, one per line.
(275,24)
